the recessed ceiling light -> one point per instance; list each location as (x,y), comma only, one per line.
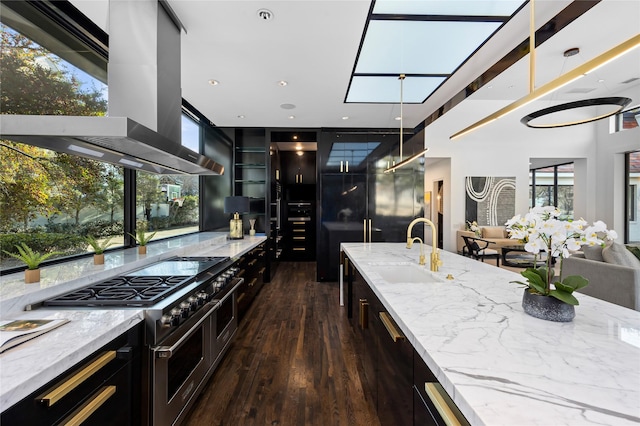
(291,117)
(398,118)
(300,153)
(295,137)
(214,82)
(298,148)
(601,80)
(265,14)
(346,117)
(282,83)
(241,116)
(287,106)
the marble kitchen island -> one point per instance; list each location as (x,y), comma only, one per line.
(499,365)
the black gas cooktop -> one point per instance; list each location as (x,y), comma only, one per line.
(143,287)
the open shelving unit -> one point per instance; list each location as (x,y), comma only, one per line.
(251,176)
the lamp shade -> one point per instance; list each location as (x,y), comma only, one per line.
(236,205)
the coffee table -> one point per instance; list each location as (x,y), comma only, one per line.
(516,256)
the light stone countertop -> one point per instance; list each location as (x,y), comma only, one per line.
(30,365)
(499,365)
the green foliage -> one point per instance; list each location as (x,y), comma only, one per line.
(43,242)
(537,283)
(99,246)
(30,257)
(141,237)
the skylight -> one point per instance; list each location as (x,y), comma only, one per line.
(426,40)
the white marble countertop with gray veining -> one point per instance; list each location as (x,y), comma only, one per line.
(499,365)
(30,365)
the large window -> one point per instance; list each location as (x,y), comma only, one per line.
(552,186)
(53,201)
(632,201)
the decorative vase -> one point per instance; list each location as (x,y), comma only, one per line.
(31,276)
(252,231)
(98,259)
(547,307)
(142,249)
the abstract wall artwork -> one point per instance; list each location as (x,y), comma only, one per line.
(490,201)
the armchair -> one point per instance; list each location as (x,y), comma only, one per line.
(477,248)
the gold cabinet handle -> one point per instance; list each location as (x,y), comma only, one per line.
(241,297)
(436,394)
(90,407)
(253,282)
(391,327)
(77,379)
(240,274)
(364,314)
(253,262)
(261,271)
(299,223)
(299,238)
(364,230)
(299,249)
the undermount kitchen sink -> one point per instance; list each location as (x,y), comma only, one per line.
(405,273)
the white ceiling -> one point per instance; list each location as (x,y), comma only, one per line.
(312,44)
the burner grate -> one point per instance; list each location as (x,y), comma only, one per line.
(122,291)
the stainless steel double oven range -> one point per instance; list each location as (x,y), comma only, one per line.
(190,310)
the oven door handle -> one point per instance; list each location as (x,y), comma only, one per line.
(168,351)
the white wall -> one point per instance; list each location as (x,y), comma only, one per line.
(505,147)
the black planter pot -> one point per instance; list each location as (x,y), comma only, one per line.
(547,307)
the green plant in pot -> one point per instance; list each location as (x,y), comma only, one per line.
(32,259)
(98,248)
(547,296)
(142,238)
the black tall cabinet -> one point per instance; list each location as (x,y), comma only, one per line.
(358,201)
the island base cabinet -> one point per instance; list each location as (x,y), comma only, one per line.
(395,372)
(433,408)
(386,356)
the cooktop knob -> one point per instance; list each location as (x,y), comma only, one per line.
(193,302)
(166,320)
(186,307)
(202,298)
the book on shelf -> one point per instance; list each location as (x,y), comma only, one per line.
(14,332)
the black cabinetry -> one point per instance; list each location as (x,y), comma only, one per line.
(102,389)
(253,268)
(432,405)
(299,167)
(386,355)
(300,231)
(359,202)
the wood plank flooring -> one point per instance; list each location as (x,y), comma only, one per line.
(292,362)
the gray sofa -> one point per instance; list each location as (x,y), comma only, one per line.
(607,281)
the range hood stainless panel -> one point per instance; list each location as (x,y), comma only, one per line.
(117,140)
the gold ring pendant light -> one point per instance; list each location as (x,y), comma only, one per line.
(563,80)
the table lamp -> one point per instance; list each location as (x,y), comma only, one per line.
(236,205)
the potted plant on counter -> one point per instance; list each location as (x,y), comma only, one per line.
(547,296)
(98,248)
(32,259)
(142,238)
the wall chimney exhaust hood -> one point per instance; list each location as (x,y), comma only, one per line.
(143,126)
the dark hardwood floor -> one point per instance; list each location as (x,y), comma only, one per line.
(292,362)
